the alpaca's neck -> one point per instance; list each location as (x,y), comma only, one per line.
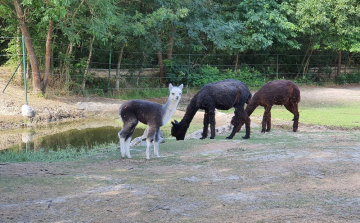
(189,114)
(251,107)
(168,109)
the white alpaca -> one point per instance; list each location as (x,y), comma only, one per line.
(152,114)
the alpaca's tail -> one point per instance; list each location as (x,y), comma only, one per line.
(238,93)
(120,113)
(248,99)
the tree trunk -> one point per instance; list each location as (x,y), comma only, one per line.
(37,85)
(88,63)
(67,62)
(18,51)
(118,66)
(306,66)
(48,55)
(237,62)
(339,65)
(304,58)
(161,65)
(171,42)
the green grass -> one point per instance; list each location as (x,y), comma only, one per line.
(68,154)
(340,116)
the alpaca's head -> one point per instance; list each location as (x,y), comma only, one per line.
(175,92)
(178,131)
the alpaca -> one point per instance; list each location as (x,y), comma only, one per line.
(221,95)
(277,92)
(152,114)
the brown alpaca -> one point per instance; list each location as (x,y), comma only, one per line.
(278,92)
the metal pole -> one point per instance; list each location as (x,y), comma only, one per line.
(24,62)
(108,94)
(13,75)
(277,66)
(187,79)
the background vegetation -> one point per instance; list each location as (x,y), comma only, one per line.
(188,41)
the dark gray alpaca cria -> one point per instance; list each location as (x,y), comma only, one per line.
(152,114)
(221,95)
(278,92)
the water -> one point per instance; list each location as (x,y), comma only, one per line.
(74,138)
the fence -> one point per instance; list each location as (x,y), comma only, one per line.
(139,71)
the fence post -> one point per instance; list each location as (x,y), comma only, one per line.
(277,66)
(24,62)
(108,94)
(187,79)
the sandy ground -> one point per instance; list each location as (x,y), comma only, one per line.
(309,176)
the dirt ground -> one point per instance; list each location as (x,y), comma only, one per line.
(312,175)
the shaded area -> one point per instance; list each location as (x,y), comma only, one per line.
(75,138)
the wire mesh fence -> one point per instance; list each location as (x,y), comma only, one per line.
(139,72)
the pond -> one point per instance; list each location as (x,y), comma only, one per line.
(74,138)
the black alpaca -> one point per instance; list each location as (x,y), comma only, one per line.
(152,114)
(278,92)
(221,95)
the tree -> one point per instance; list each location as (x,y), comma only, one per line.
(327,24)
(35,70)
(160,25)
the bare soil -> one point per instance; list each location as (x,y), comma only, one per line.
(309,176)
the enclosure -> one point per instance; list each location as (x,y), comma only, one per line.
(280,176)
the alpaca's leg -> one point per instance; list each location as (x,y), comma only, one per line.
(156,142)
(125,136)
(149,138)
(293,108)
(245,119)
(268,123)
(212,123)
(240,117)
(206,125)
(127,147)
(266,120)
(122,145)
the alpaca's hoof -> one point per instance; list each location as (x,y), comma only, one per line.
(203,138)
(212,137)
(268,130)
(262,131)
(246,137)
(229,137)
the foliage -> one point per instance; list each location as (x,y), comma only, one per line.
(143,93)
(207,28)
(348,78)
(208,74)
(176,71)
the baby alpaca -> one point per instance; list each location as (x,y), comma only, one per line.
(152,114)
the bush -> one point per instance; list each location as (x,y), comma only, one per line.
(346,78)
(245,74)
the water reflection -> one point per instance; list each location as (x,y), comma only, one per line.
(84,138)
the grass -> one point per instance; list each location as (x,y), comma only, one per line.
(61,155)
(347,117)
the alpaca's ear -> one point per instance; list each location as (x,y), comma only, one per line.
(170,87)
(181,86)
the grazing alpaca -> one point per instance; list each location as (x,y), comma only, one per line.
(221,95)
(150,113)
(278,92)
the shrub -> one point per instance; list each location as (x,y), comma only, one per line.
(245,74)
(348,78)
